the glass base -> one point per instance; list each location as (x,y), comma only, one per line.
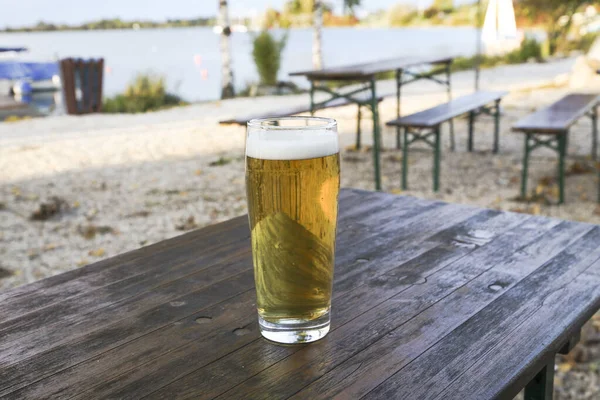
(295,331)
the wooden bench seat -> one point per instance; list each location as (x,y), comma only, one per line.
(430,120)
(549,127)
(289,111)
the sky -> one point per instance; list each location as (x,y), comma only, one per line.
(27,12)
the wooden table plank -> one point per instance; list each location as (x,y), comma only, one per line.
(401,205)
(352,238)
(141,384)
(352,302)
(384,325)
(24,349)
(413,278)
(456,355)
(83,280)
(559,116)
(384,359)
(369,69)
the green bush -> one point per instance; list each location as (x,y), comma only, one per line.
(402,15)
(267,56)
(530,49)
(583,43)
(147,92)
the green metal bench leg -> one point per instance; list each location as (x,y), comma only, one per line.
(449,90)
(541,386)
(436,161)
(312,98)
(398,93)
(358,132)
(497,127)
(594,117)
(471,121)
(562,150)
(405,160)
(376,134)
(525,167)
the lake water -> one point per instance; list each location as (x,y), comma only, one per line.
(189,57)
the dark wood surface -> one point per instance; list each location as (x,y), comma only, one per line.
(431,300)
(559,116)
(436,115)
(367,70)
(288,111)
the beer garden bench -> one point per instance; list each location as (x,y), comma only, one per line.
(424,126)
(290,111)
(430,300)
(549,127)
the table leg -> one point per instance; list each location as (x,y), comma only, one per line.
(562,150)
(398,98)
(594,117)
(497,127)
(376,135)
(541,386)
(436,161)
(525,167)
(312,98)
(405,160)
(358,132)
(471,121)
(449,90)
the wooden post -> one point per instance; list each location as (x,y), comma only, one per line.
(87,76)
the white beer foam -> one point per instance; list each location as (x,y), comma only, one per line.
(291,144)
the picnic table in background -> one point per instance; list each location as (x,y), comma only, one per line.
(366,75)
(430,300)
(549,127)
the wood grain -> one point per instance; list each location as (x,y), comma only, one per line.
(453,294)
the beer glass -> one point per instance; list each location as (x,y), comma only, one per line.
(292,184)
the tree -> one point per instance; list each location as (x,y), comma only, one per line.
(349,6)
(227,90)
(318,8)
(443,5)
(549,13)
(317,55)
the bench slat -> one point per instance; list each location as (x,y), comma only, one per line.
(289,111)
(434,116)
(559,116)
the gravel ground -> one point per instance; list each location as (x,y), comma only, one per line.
(109,207)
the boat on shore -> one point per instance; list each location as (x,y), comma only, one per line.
(18,77)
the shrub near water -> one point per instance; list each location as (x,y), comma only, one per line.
(147,92)
(267,56)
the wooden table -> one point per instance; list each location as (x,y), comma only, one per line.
(431,300)
(366,74)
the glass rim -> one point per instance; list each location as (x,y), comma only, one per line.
(325,123)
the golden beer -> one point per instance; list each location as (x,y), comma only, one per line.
(292,204)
